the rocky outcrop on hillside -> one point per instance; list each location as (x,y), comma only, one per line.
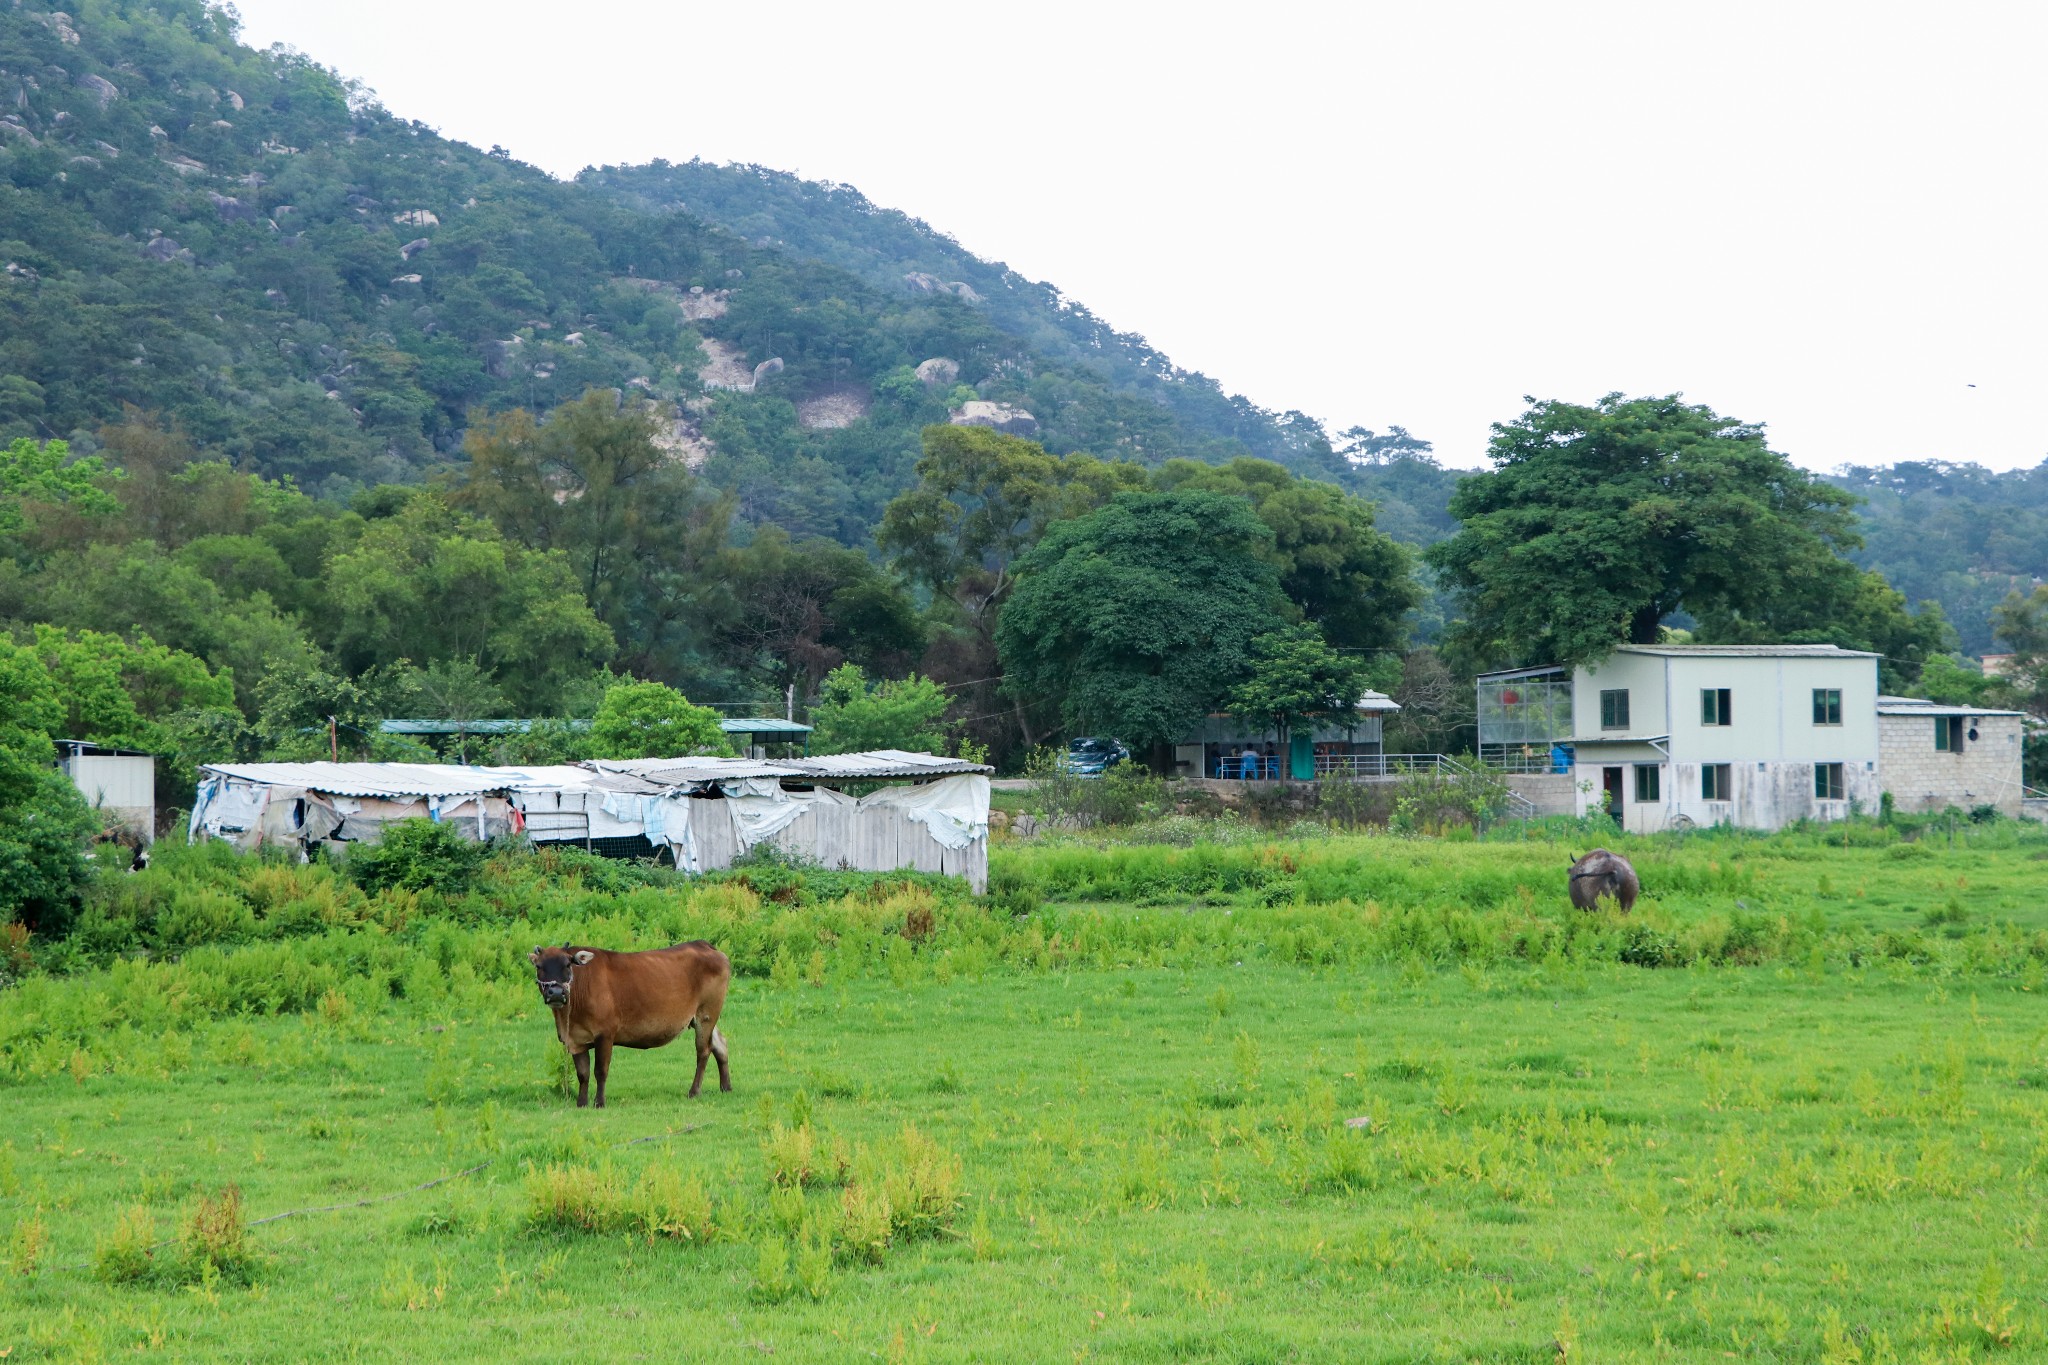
(834,409)
(1002,416)
(923,283)
(939,372)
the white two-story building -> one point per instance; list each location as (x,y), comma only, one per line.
(1672,736)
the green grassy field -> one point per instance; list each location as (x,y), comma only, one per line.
(1795,1108)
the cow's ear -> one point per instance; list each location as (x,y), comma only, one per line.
(534,957)
(583,956)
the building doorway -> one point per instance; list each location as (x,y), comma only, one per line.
(1610,783)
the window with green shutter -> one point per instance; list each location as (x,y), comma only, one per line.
(1614,709)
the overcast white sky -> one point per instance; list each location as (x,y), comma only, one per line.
(1824,217)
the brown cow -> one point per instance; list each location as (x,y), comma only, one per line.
(604,1000)
(1601,873)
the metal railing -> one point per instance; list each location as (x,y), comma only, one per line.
(1518,758)
(1384,765)
(1366,767)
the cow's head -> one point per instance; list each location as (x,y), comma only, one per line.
(554,970)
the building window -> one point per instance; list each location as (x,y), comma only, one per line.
(1948,734)
(1714,782)
(1646,783)
(1614,709)
(1827,782)
(1827,706)
(1714,709)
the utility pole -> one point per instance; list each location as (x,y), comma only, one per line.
(789,703)
(333,741)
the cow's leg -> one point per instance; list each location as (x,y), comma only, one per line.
(604,1067)
(703,1037)
(718,1051)
(582,1077)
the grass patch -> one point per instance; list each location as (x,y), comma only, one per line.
(1410,1111)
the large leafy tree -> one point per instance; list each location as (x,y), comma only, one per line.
(1295,675)
(430,584)
(1349,578)
(809,606)
(1137,619)
(43,821)
(646,541)
(1840,604)
(45,473)
(653,720)
(1598,521)
(854,715)
(982,499)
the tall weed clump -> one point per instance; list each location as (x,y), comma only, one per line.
(1123,794)
(661,1204)
(419,855)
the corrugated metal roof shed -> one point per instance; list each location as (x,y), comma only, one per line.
(763,725)
(676,772)
(881,763)
(1748,651)
(370,779)
(469,727)
(1914,706)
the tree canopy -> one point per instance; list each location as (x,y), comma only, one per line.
(1293,675)
(854,715)
(1136,619)
(1599,521)
(650,720)
(1354,582)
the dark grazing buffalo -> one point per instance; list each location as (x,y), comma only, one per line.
(1601,873)
(604,1000)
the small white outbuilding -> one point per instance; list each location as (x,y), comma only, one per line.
(120,783)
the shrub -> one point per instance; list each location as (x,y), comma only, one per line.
(128,1253)
(215,1239)
(772,1282)
(26,1245)
(575,1199)
(865,1222)
(1122,795)
(665,1205)
(798,1158)
(419,855)
(1013,890)
(921,1184)
(1643,946)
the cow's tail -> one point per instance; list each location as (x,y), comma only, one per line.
(718,1044)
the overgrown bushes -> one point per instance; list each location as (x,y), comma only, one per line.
(419,855)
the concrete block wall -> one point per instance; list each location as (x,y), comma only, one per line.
(1920,777)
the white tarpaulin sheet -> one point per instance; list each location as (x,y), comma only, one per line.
(954,809)
(761,809)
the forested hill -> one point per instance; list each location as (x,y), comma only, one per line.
(899,254)
(1956,534)
(317,288)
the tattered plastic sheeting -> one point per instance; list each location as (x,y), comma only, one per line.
(954,809)
(232,811)
(761,808)
(938,827)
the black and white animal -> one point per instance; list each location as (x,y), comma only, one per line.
(1601,873)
